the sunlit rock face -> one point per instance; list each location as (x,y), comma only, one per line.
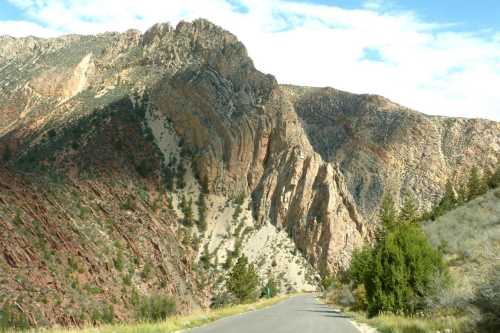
(315,161)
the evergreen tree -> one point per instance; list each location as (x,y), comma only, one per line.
(186,207)
(476,185)
(202,212)
(403,265)
(361,264)
(388,216)
(447,202)
(243,280)
(494,180)
(408,212)
(462,194)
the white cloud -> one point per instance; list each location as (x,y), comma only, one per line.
(425,66)
(25,28)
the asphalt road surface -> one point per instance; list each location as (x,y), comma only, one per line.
(299,314)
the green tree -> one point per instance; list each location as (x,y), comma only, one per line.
(360,266)
(186,207)
(447,202)
(408,212)
(202,212)
(402,268)
(388,216)
(494,180)
(475,185)
(462,194)
(243,280)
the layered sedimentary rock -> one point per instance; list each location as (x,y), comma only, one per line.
(315,161)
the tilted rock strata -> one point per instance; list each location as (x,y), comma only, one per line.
(315,161)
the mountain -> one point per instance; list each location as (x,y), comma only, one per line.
(158,134)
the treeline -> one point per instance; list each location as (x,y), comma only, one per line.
(455,195)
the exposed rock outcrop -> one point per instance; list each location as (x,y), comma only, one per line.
(315,161)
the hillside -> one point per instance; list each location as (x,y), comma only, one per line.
(470,238)
(171,149)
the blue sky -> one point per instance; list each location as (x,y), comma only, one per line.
(436,56)
(465,14)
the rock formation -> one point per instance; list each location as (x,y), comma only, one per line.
(314,161)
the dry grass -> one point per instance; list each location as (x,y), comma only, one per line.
(175,323)
(470,238)
(398,324)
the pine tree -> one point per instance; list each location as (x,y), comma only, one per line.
(462,194)
(447,202)
(243,280)
(202,212)
(408,212)
(476,185)
(494,180)
(186,207)
(388,216)
(402,268)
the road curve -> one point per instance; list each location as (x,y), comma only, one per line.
(299,314)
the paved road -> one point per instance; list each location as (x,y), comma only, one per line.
(299,314)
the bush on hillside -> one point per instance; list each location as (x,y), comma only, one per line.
(243,280)
(271,288)
(494,180)
(155,308)
(222,299)
(487,300)
(12,318)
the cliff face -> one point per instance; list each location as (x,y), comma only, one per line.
(381,146)
(315,162)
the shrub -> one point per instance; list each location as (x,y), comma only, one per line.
(243,280)
(494,180)
(487,300)
(202,212)
(346,298)
(221,300)
(11,317)
(186,207)
(119,262)
(147,270)
(129,204)
(360,300)
(103,314)
(327,282)
(155,308)
(271,289)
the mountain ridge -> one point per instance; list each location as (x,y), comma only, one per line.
(184,110)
